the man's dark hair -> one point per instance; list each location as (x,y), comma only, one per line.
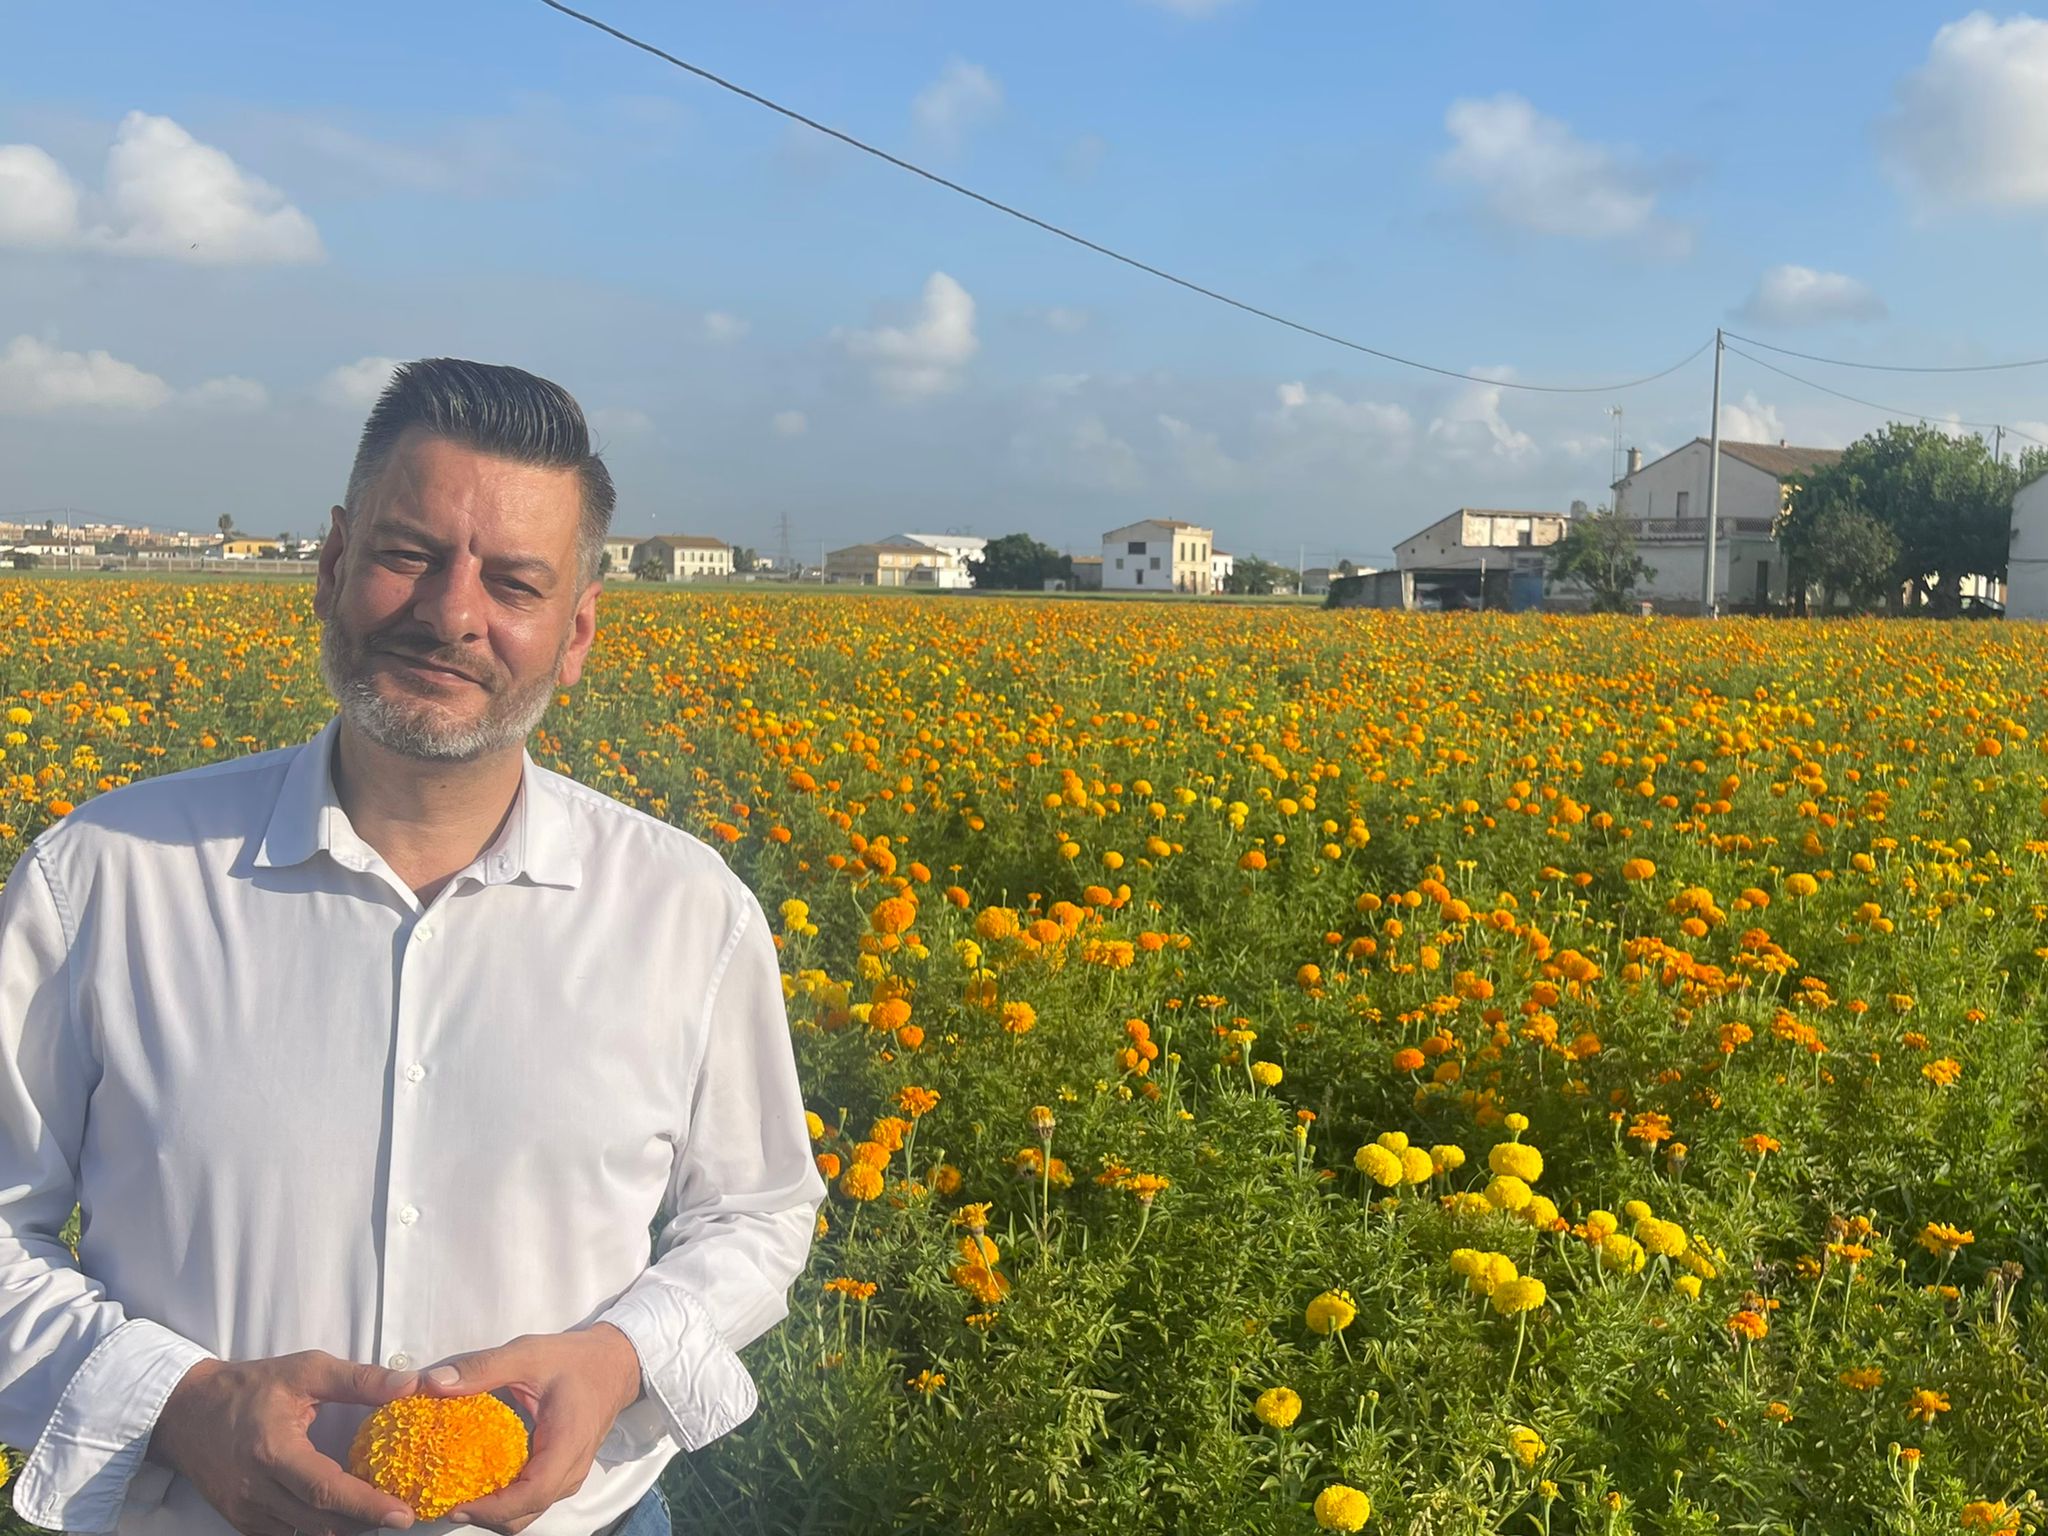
(498,410)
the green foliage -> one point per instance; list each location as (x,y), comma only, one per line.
(1016,562)
(1252,576)
(1598,555)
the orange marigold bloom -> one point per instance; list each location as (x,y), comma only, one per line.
(438,1452)
(1923,1404)
(861,1182)
(892,914)
(1749,1325)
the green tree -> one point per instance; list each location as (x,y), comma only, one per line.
(1252,577)
(1946,502)
(1836,547)
(1016,562)
(744,559)
(1598,556)
(651,569)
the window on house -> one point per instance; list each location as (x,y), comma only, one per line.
(1135,547)
(1684,501)
(1141,578)
(1155,562)
(1119,562)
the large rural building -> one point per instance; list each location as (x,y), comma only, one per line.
(1666,501)
(1158,555)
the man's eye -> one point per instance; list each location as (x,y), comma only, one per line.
(406,554)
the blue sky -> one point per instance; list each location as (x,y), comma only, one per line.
(215,222)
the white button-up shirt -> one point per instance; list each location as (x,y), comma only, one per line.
(300,1110)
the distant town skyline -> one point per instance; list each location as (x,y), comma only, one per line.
(218,230)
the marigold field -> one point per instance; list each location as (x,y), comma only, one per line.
(1281,1071)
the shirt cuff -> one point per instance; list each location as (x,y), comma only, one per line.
(83,1470)
(696,1386)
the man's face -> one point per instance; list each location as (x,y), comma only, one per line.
(450,607)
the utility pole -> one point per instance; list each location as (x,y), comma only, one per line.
(1998,453)
(1713,488)
(1614,462)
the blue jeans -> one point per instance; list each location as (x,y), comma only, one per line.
(650,1517)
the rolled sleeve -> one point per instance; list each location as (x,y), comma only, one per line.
(83,1470)
(742,1208)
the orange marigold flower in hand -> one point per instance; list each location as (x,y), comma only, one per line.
(438,1452)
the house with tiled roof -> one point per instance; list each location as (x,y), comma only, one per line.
(684,556)
(1159,554)
(1665,501)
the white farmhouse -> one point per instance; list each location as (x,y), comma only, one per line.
(2026,583)
(957,554)
(1158,555)
(1222,567)
(1666,501)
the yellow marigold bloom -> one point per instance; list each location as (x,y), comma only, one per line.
(1687,1286)
(1993,1519)
(1448,1159)
(1666,1239)
(438,1452)
(980,1248)
(1467,1202)
(985,1285)
(1863,1378)
(1540,1213)
(1278,1407)
(861,1182)
(1526,1446)
(19,716)
(1943,1073)
(1378,1164)
(1636,1210)
(1516,1124)
(927,1382)
(973,1217)
(1801,886)
(795,913)
(1340,1507)
(1524,1293)
(1492,1271)
(1019,1017)
(1601,1225)
(1508,1193)
(1517,1160)
(1941,1240)
(814,1125)
(1394,1141)
(1924,1404)
(1621,1254)
(1417,1167)
(1331,1312)
(1266,1074)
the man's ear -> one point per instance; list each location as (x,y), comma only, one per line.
(583,630)
(327,582)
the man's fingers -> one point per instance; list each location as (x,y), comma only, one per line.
(331,1380)
(292,1515)
(485,1370)
(335,1497)
(551,1473)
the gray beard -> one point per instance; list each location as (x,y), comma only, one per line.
(409,727)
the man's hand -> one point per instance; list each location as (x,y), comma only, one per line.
(236,1430)
(572,1385)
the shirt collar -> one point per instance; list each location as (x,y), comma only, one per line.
(537,840)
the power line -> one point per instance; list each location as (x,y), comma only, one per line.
(1843,362)
(1889,410)
(1101,250)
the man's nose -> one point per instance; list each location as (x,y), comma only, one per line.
(450,601)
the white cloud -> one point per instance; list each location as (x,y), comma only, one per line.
(1200,456)
(166,194)
(231,393)
(170,195)
(963,98)
(720,326)
(1471,428)
(1788,295)
(1970,125)
(38,203)
(1533,171)
(37,379)
(926,356)
(1303,409)
(1751,421)
(357,385)
(790,423)
(1066,321)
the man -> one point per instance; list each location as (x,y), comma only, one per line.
(371,1061)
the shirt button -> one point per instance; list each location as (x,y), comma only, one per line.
(415,1072)
(399,1361)
(407,1215)
(423,934)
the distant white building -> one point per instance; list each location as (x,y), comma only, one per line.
(685,556)
(958,552)
(1474,536)
(1221,568)
(1666,502)
(1158,555)
(620,548)
(2026,582)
